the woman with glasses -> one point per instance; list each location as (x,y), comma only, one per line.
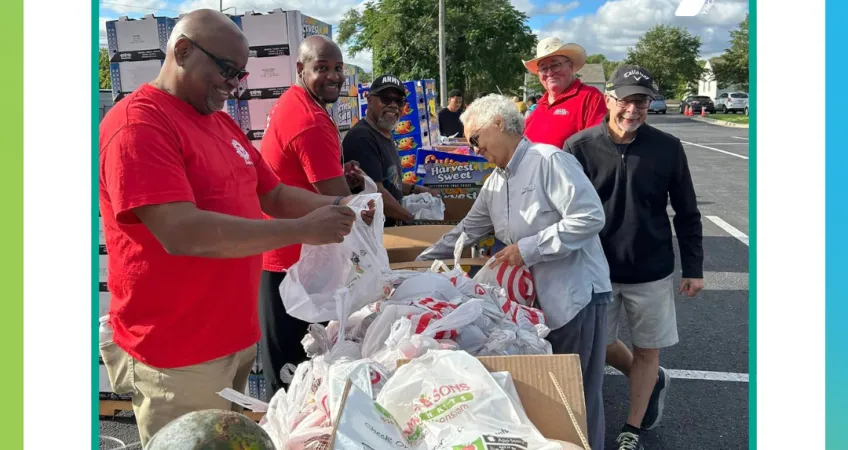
(567,106)
(543,207)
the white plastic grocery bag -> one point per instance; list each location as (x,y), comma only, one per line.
(447,399)
(424,206)
(331,281)
(517,282)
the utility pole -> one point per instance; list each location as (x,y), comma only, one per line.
(443,82)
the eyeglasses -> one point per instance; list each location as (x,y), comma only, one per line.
(553,68)
(227,70)
(473,139)
(641,103)
(387,99)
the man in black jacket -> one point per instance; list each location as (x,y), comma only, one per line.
(636,169)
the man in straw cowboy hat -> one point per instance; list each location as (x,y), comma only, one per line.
(567,106)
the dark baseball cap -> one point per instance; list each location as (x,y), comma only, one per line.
(384,82)
(631,80)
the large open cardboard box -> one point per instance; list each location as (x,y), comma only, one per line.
(550,388)
(404,244)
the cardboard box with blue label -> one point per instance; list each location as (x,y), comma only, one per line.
(138,39)
(129,76)
(363,99)
(408,159)
(431,100)
(450,170)
(345,112)
(253,116)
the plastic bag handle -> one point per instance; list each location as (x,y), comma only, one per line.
(370,186)
(457,249)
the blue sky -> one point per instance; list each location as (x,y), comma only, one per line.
(601,26)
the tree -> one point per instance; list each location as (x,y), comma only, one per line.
(671,55)
(732,68)
(485,41)
(105,78)
(609,66)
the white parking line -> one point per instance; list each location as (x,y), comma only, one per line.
(739,137)
(715,149)
(694,375)
(729,228)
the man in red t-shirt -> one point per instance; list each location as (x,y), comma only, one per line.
(301,146)
(567,106)
(182,195)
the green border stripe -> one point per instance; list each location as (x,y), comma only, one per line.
(95,235)
(12,235)
(752,227)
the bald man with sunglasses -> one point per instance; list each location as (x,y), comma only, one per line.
(371,144)
(182,195)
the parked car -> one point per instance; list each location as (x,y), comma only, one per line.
(732,102)
(697,102)
(657,105)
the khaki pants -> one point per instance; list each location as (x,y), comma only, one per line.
(162,395)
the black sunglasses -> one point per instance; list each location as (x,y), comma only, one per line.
(387,99)
(473,139)
(227,70)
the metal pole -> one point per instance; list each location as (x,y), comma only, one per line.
(443,81)
(221,5)
(525,87)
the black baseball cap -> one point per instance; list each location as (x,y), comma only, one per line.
(630,80)
(384,82)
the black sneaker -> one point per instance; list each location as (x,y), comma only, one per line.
(653,415)
(628,441)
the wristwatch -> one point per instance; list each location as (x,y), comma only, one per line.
(337,201)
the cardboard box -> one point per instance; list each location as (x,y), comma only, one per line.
(431,99)
(138,39)
(253,116)
(445,170)
(231,108)
(345,112)
(103,264)
(404,244)
(268,34)
(128,76)
(269,77)
(550,388)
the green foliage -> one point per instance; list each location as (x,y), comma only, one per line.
(609,66)
(105,79)
(671,55)
(485,41)
(732,68)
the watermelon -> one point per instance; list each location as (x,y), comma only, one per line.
(211,429)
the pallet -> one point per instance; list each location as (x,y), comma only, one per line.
(113,407)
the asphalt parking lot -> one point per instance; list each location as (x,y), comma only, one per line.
(707,404)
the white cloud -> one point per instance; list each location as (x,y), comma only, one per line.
(550,8)
(618,24)
(135,6)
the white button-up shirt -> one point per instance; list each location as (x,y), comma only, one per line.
(543,202)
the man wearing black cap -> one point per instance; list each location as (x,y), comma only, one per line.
(370,143)
(636,169)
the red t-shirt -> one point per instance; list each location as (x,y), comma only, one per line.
(576,109)
(173,311)
(301,145)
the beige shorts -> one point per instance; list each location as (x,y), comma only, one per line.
(649,309)
(162,395)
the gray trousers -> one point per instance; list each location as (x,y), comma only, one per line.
(585,335)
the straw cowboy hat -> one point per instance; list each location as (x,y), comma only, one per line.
(552,46)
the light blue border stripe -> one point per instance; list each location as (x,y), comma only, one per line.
(836,216)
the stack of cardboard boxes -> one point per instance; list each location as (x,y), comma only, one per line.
(136,51)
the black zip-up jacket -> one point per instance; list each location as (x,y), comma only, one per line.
(635,186)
